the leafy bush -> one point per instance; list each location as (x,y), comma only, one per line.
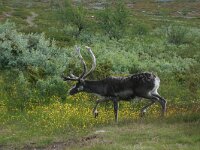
(20,94)
(35,65)
(52,87)
(140,29)
(16,90)
(75,15)
(114,20)
(21,51)
(137,55)
(176,34)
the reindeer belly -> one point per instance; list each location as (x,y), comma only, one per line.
(125,94)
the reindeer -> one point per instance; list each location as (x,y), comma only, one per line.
(142,85)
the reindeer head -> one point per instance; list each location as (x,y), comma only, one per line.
(80,85)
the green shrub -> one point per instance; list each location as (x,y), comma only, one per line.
(51,87)
(176,34)
(18,50)
(20,94)
(33,65)
(16,90)
(103,70)
(140,29)
(75,15)
(114,20)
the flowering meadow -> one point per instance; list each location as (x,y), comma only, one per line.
(77,116)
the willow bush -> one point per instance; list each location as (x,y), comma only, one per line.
(31,66)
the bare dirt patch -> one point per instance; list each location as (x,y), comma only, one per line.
(85,141)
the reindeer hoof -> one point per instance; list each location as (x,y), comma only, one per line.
(142,114)
(95,113)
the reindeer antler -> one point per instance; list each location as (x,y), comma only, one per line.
(93,60)
(84,74)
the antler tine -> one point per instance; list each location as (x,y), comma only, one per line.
(71,75)
(68,78)
(83,62)
(93,64)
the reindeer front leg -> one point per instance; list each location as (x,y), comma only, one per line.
(95,112)
(116,106)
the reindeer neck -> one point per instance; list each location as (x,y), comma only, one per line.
(93,86)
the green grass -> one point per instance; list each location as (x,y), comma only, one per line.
(144,133)
(147,135)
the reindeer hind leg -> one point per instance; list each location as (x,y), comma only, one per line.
(143,110)
(162,102)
